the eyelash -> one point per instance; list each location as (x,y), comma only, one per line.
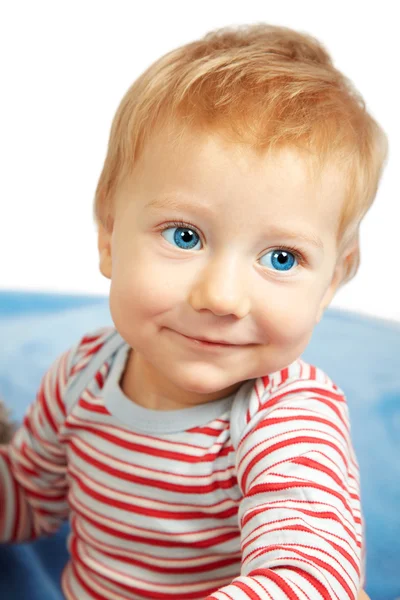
(292,249)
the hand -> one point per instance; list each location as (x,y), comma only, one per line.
(363,596)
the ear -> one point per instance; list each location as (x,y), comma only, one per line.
(104,246)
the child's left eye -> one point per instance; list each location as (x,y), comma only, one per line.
(184,236)
(280,259)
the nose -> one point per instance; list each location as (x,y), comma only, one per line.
(221,288)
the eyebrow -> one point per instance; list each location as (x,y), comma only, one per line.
(173,203)
(311,239)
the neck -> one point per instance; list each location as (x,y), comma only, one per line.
(144,385)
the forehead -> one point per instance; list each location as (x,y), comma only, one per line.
(211,172)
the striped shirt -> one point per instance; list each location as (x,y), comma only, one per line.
(251,497)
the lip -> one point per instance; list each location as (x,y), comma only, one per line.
(215,342)
(202,343)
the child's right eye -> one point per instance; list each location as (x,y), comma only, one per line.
(182,235)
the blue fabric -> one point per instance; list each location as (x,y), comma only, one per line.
(361,354)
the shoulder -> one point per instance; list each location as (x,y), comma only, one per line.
(72,361)
(300,388)
(88,347)
(90,362)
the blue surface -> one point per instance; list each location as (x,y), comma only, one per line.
(14,303)
(361,354)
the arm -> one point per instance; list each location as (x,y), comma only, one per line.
(33,485)
(300,515)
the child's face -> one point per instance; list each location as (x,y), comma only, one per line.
(253,265)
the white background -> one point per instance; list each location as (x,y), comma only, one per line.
(66,65)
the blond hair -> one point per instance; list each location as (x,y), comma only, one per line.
(267,86)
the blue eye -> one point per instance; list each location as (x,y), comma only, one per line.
(184,237)
(280,260)
(187,238)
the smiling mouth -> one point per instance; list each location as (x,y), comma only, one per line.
(214,343)
(208,344)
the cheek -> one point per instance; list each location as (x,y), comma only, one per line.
(290,319)
(140,287)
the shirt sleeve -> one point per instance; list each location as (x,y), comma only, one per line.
(33,482)
(300,517)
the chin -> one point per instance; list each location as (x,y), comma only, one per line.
(203,384)
(200,387)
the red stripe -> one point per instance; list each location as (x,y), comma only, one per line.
(324,515)
(290,546)
(333,517)
(313,464)
(327,567)
(207,431)
(141,539)
(148,450)
(303,439)
(66,587)
(92,593)
(43,405)
(114,553)
(323,392)
(284,375)
(266,381)
(280,526)
(276,399)
(279,487)
(298,587)
(93,408)
(16,499)
(152,595)
(166,570)
(59,399)
(13,496)
(99,379)
(251,594)
(81,473)
(94,349)
(184,488)
(46,495)
(265,590)
(312,581)
(315,393)
(277,579)
(89,339)
(151,512)
(79,422)
(297,418)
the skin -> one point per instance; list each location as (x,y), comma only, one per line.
(225,286)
